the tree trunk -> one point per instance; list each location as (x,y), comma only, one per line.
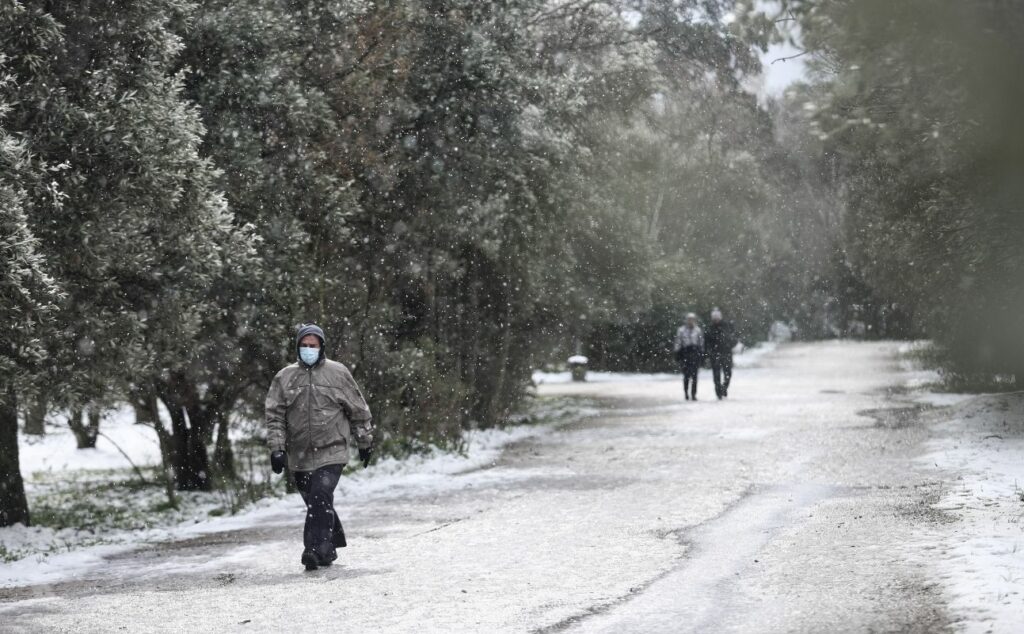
(188,452)
(208,415)
(151,405)
(196,465)
(145,407)
(223,456)
(13,504)
(495,410)
(86,428)
(35,416)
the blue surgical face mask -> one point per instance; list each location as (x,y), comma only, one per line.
(309,356)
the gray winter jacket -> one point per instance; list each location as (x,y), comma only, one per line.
(686,337)
(315,413)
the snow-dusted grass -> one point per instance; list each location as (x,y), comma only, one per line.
(932,369)
(83,521)
(110,495)
(77,509)
(979,441)
(925,380)
(982,565)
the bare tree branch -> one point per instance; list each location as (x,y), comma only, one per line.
(789,57)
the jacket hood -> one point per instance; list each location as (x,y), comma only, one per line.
(311,329)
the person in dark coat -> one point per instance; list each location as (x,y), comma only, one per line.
(720,339)
(689,349)
(315,412)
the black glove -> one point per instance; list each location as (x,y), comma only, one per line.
(364,455)
(278,461)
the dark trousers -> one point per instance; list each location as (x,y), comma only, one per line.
(690,359)
(323,531)
(721,370)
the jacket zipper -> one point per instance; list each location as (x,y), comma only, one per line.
(309,408)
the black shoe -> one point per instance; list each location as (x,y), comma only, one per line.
(687,396)
(694,397)
(326,554)
(310,560)
(327,561)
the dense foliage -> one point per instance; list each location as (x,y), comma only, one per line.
(439,184)
(916,104)
(460,191)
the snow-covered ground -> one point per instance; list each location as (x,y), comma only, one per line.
(977,450)
(981,561)
(56,452)
(51,462)
(808,501)
(52,555)
(543,378)
(98,497)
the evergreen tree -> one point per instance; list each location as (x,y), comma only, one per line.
(27,292)
(919,107)
(405,165)
(140,236)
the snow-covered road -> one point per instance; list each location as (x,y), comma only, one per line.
(792,506)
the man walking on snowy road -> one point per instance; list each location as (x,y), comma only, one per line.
(314,410)
(689,349)
(720,339)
